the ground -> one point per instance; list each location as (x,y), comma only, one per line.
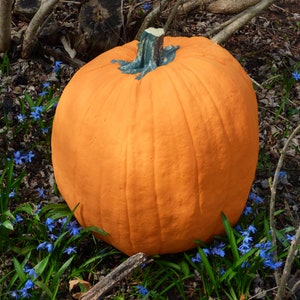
(268,48)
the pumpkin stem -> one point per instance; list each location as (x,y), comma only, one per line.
(150,54)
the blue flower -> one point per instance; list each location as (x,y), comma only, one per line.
(36,112)
(45,130)
(296,75)
(18,218)
(247,210)
(45,246)
(30,271)
(73,228)
(18,157)
(50,224)
(197,258)
(43,93)
(27,286)
(12,194)
(46,85)
(290,237)
(70,250)
(271,264)
(218,249)
(21,118)
(57,66)
(146,6)
(14,294)
(29,156)
(251,229)
(142,290)
(52,237)
(41,192)
(257,199)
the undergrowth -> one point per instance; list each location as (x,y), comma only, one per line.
(42,248)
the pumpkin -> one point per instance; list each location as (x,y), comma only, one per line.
(153,144)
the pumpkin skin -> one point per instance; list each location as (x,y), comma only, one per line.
(154,162)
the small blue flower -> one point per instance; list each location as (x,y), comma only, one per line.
(142,290)
(271,264)
(36,112)
(43,93)
(29,156)
(57,66)
(50,224)
(257,199)
(197,258)
(218,249)
(14,294)
(18,218)
(30,271)
(46,85)
(41,192)
(247,210)
(70,250)
(18,158)
(290,237)
(296,75)
(45,246)
(52,237)
(12,194)
(45,130)
(21,118)
(251,229)
(146,6)
(73,228)
(244,248)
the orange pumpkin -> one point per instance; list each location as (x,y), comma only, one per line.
(154,161)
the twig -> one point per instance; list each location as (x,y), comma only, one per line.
(288,264)
(5,24)
(172,14)
(110,280)
(245,17)
(150,17)
(272,201)
(35,26)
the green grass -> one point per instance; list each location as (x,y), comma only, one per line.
(42,247)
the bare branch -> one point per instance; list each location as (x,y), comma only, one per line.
(272,204)
(245,17)
(35,25)
(119,273)
(5,24)
(151,17)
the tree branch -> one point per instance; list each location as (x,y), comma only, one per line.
(35,25)
(244,17)
(272,211)
(119,273)
(5,24)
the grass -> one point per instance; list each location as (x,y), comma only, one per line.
(42,248)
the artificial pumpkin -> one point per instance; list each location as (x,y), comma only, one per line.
(155,143)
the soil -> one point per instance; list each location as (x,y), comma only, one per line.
(268,47)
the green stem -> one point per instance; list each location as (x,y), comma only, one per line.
(150,54)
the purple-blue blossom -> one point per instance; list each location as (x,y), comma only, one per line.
(296,75)
(70,250)
(142,290)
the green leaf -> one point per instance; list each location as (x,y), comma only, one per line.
(95,229)
(44,288)
(185,268)
(55,281)
(19,270)
(232,240)
(41,266)
(8,225)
